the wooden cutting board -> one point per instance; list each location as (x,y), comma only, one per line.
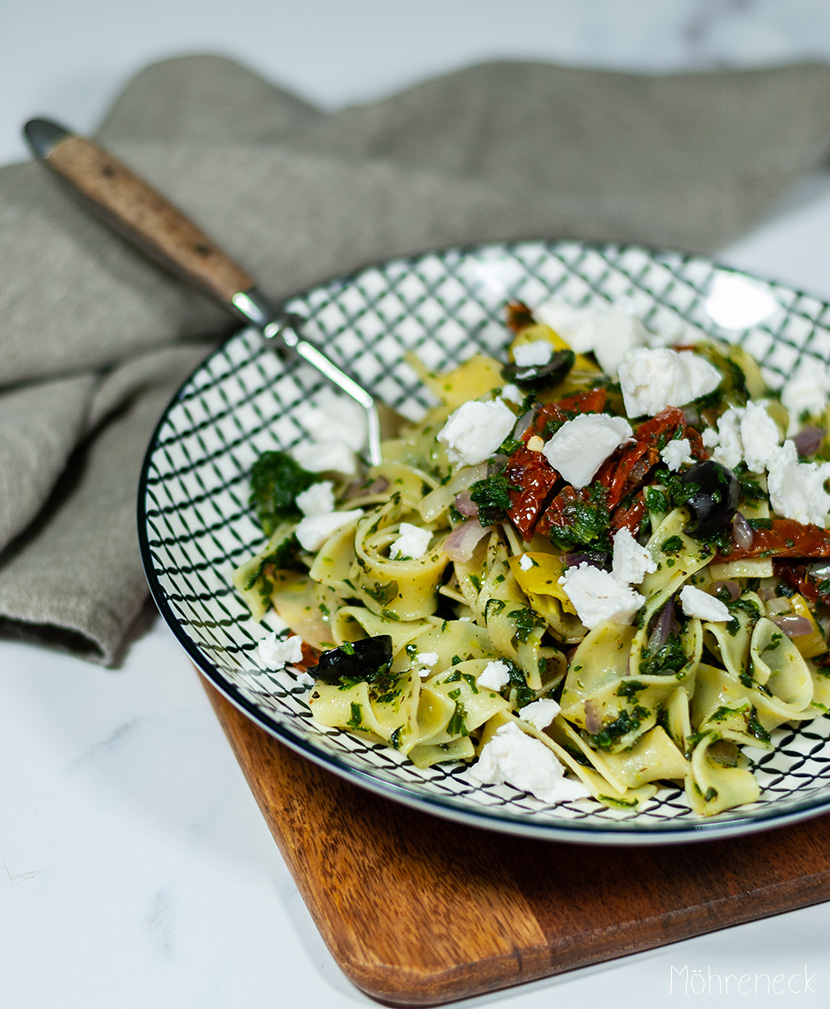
(417,910)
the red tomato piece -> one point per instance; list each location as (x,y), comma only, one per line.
(784,538)
(535,478)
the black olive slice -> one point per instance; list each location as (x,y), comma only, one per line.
(550,373)
(366,659)
(715,497)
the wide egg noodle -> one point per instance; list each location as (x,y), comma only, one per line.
(634,712)
(405,588)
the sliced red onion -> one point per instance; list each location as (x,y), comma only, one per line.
(358,489)
(639,469)
(765,593)
(435,502)
(496,464)
(691,415)
(733,588)
(778,605)
(809,439)
(592,557)
(742,534)
(662,627)
(462,541)
(465,505)
(793,625)
(593,725)
(524,422)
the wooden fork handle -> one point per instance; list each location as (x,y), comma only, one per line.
(131,206)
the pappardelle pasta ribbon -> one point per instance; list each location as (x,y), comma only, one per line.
(586,585)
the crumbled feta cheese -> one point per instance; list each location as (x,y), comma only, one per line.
(334,415)
(710,437)
(796,489)
(745,433)
(332,456)
(540,713)
(475,430)
(494,676)
(412,542)
(631,562)
(728,448)
(806,391)
(525,562)
(598,596)
(582,445)
(532,355)
(318,499)
(651,380)
(760,437)
(336,426)
(535,443)
(697,603)
(275,652)
(314,530)
(608,332)
(426,658)
(512,394)
(305,679)
(676,452)
(512,756)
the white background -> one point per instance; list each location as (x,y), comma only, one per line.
(135,868)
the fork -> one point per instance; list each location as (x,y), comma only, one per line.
(136,211)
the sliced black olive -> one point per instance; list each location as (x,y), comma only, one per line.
(550,373)
(715,497)
(367,659)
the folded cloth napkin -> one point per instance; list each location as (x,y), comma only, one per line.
(95,340)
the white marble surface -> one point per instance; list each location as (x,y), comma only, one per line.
(135,869)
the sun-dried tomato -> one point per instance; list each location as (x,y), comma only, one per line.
(534,478)
(783,538)
(551,414)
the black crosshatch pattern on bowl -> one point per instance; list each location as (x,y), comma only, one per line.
(195,526)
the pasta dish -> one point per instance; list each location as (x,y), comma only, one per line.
(592,569)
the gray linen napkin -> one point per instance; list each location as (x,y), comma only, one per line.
(94,340)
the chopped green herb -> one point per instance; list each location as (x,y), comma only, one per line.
(276,480)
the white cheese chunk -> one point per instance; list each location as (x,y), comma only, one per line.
(697,603)
(513,757)
(275,653)
(532,355)
(512,394)
(318,499)
(314,530)
(728,445)
(475,430)
(412,542)
(796,489)
(494,676)
(744,434)
(540,713)
(806,391)
(608,332)
(582,445)
(426,658)
(760,437)
(676,452)
(525,562)
(598,596)
(652,379)
(332,456)
(631,562)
